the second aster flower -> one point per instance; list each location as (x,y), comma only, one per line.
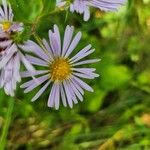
(83,6)
(61,70)
(10,54)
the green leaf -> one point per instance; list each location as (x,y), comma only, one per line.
(24,10)
(48,6)
(96,100)
(115,77)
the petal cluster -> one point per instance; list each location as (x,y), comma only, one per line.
(83,6)
(62,71)
(66,81)
(10,54)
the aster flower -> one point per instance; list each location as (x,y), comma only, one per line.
(10,54)
(62,70)
(82,6)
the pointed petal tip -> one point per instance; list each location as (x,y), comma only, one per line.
(71,107)
(92,90)
(25,91)
(21,86)
(56,108)
(33,100)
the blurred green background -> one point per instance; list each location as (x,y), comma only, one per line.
(117,115)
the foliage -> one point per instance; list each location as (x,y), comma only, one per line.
(117,115)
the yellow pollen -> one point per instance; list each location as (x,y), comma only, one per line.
(6,26)
(60,69)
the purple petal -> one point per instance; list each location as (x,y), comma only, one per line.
(36,61)
(40,92)
(83,84)
(33,82)
(86,62)
(51,98)
(82,52)
(73,44)
(68,94)
(29,74)
(67,38)
(4,61)
(83,56)
(63,97)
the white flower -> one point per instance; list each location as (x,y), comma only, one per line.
(61,70)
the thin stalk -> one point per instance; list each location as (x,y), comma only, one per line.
(37,20)
(5,129)
(38,39)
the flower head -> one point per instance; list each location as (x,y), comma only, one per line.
(82,6)
(61,70)
(10,54)
(6,19)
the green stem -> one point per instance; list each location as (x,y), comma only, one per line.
(52,12)
(38,39)
(37,20)
(5,129)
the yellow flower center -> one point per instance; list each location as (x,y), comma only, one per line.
(6,26)
(60,69)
